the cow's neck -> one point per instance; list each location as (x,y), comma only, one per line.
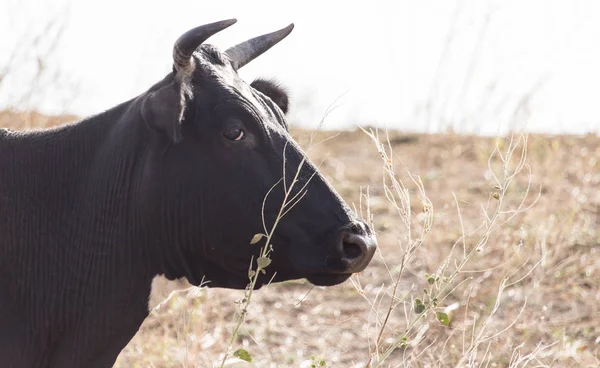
(60,165)
(66,210)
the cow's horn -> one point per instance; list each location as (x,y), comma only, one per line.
(187,43)
(247,51)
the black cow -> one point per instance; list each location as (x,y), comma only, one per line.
(168,183)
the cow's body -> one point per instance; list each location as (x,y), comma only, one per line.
(169,183)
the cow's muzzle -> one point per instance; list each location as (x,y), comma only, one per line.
(353,250)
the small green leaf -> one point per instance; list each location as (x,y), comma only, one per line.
(243,355)
(443,318)
(251,273)
(431,280)
(263,262)
(419,306)
(496,196)
(256,238)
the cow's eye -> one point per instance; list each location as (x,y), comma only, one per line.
(234,134)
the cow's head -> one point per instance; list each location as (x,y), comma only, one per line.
(217,147)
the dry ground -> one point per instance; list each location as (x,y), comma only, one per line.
(553,248)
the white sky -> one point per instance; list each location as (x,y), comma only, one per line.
(419,65)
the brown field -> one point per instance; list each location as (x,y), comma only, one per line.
(528,296)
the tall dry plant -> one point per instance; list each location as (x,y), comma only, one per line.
(289,201)
(422,309)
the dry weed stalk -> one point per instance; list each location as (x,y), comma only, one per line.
(263,261)
(289,202)
(444,281)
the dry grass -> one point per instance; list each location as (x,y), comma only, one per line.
(547,311)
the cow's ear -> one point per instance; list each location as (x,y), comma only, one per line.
(274,91)
(163,109)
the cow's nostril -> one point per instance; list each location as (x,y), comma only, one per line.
(356,248)
(351,250)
